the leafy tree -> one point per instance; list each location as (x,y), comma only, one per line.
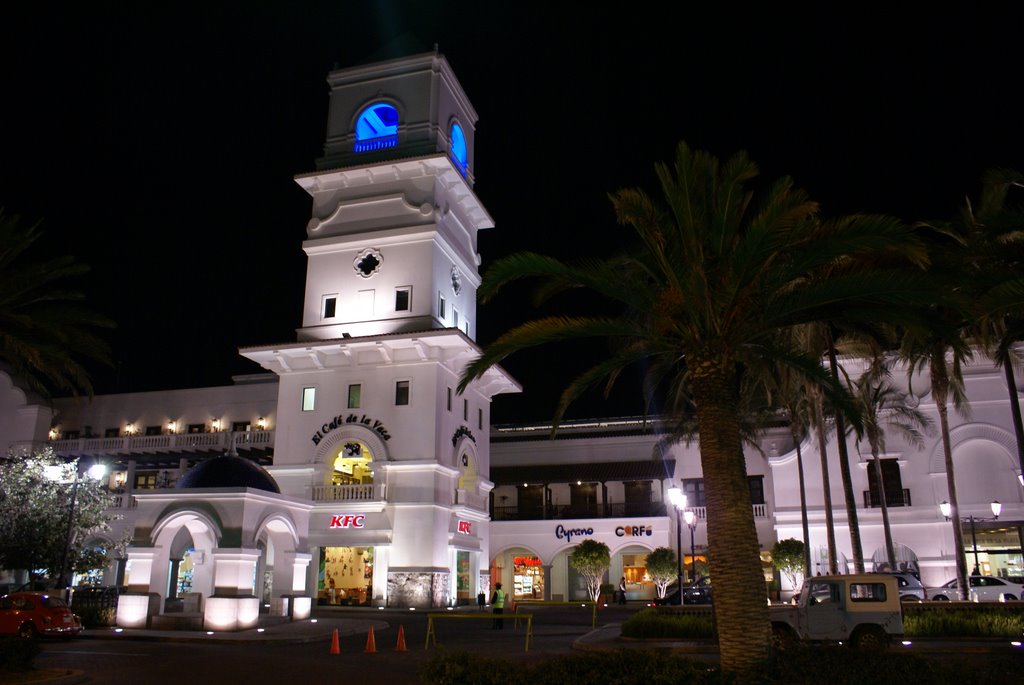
(788,557)
(663,567)
(35,506)
(591,560)
(719,272)
(46,330)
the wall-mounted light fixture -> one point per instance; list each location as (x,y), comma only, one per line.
(129,429)
(215,424)
(54,433)
(172,427)
(261,424)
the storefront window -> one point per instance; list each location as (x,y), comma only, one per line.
(999,552)
(345,576)
(463,587)
(528,578)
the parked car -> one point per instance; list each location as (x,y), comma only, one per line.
(911,589)
(696,593)
(983,589)
(30,614)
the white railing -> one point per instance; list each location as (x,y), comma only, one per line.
(470,499)
(760,512)
(123,501)
(182,442)
(349,493)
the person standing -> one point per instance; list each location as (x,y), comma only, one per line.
(498,606)
(622,590)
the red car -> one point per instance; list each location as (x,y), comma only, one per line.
(29,614)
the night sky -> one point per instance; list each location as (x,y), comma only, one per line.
(159,145)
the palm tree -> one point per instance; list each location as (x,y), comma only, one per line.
(820,423)
(884,407)
(942,348)
(45,329)
(997,231)
(718,274)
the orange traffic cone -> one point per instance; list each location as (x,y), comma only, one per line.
(400,647)
(371,644)
(335,649)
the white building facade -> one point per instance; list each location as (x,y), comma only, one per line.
(370,481)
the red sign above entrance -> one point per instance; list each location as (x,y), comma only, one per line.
(465,527)
(347,521)
(526,561)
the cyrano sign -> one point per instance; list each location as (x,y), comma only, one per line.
(347,521)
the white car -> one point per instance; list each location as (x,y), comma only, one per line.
(983,589)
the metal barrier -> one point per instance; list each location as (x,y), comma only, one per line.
(543,602)
(432,635)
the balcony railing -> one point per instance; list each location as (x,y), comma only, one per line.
(373,492)
(123,501)
(567,511)
(178,442)
(898,498)
(616,510)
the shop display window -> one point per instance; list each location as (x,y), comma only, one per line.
(345,576)
(528,578)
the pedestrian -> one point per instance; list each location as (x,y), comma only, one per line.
(498,606)
(622,590)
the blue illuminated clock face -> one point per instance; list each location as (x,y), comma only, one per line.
(377,127)
(459,148)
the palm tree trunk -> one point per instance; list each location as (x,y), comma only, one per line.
(741,612)
(826,485)
(803,501)
(890,549)
(940,393)
(1018,425)
(844,468)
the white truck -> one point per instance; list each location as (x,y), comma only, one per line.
(860,610)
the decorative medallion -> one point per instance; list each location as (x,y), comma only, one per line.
(456,280)
(368,262)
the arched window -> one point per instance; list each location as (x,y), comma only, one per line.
(459,148)
(377,127)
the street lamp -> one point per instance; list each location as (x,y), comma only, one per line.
(56,473)
(678,500)
(996,507)
(691,520)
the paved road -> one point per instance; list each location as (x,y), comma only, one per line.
(122,661)
(303,651)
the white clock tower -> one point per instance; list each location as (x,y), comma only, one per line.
(370,428)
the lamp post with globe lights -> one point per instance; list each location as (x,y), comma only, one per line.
(59,474)
(996,508)
(691,520)
(678,500)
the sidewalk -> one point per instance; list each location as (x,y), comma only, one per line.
(316,629)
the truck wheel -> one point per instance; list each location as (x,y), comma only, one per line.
(869,639)
(940,598)
(783,638)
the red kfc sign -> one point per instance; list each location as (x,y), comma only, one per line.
(347,521)
(464,527)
